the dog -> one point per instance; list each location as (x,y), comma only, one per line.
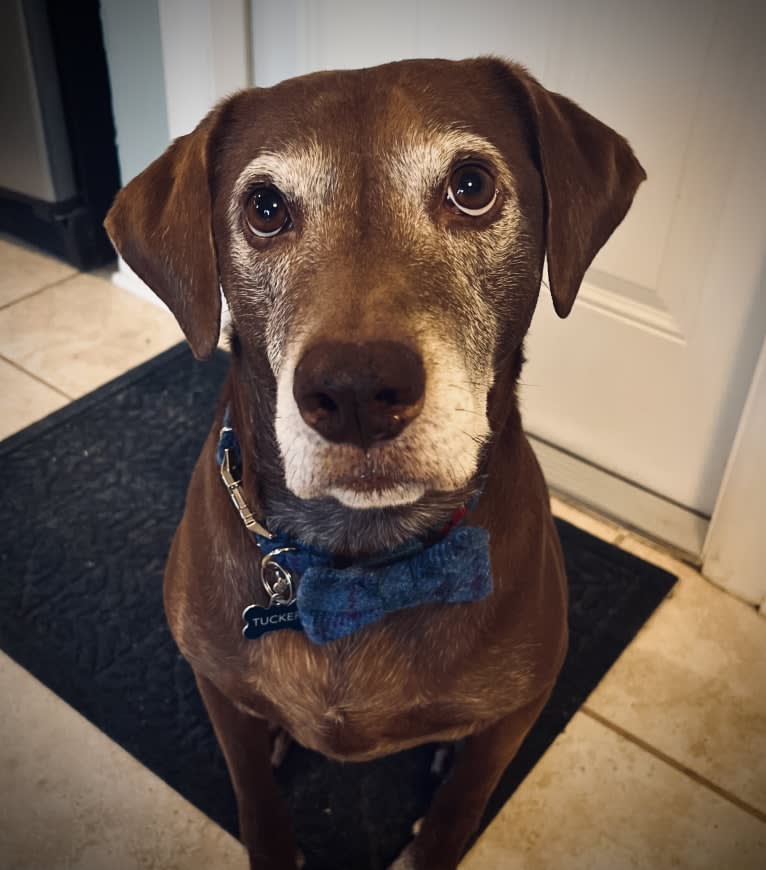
(379,236)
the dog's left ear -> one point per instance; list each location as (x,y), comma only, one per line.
(161,224)
(590,176)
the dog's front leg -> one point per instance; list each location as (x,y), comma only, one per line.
(458,805)
(264,824)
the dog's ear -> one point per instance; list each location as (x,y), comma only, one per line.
(161,224)
(590,176)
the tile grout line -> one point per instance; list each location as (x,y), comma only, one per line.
(676,765)
(35,377)
(40,290)
(617,534)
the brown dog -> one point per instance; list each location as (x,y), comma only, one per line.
(379,236)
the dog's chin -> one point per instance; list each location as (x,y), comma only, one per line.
(366,495)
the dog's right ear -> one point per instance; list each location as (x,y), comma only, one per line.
(161,225)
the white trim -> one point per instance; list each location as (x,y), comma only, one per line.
(624,501)
(206,55)
(735,549)
(653,318)
(126,278)
(230,46)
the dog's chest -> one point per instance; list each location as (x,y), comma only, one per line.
(359,698)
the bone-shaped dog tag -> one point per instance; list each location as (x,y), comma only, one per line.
(260,620)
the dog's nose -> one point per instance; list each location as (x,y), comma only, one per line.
(359,393)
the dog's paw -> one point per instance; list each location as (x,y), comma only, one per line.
(406,860)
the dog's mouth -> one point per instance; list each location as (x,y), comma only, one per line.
(375,487)
(376,491)
(372,481)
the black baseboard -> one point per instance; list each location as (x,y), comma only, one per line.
(76,71)
(70,230)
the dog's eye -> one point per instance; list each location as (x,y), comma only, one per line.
(471,190)
(265,212)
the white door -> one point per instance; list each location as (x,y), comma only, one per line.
(648,376)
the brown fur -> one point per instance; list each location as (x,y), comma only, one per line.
(366,261)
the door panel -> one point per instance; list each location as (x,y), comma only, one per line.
(641,378)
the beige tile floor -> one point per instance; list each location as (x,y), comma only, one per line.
(664,767)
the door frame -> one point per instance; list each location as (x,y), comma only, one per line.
(734,554)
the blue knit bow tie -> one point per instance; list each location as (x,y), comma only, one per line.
(333,602)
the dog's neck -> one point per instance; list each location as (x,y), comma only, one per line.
(324,523)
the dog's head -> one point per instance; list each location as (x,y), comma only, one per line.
(379,236)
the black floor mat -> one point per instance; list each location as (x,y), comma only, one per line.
(91,497)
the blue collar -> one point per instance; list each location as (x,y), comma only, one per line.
(331,602)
